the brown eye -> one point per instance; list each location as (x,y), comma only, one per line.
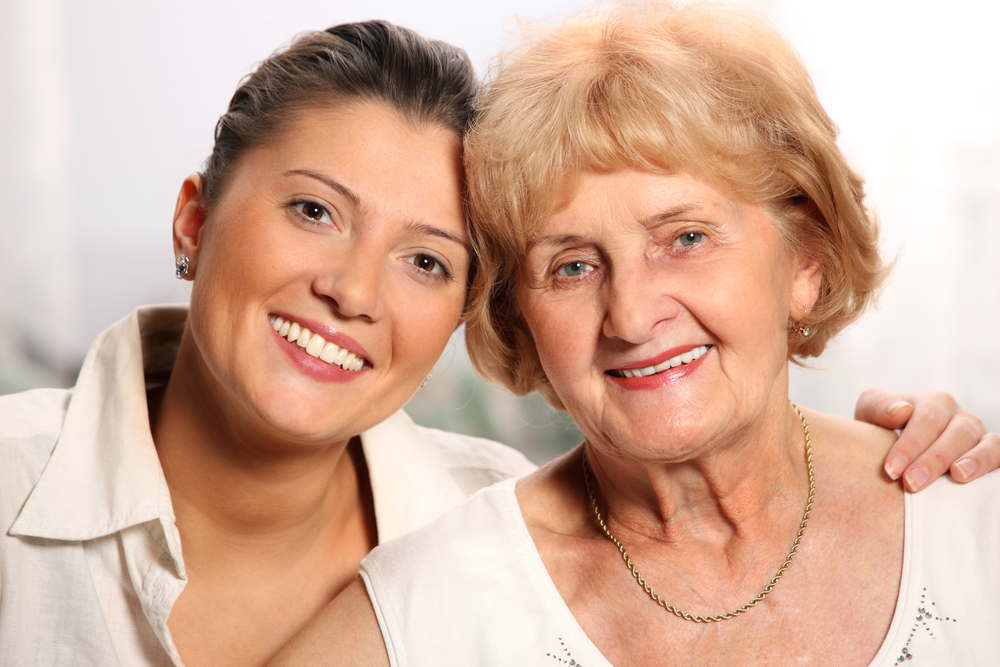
(429,264)
(313,211)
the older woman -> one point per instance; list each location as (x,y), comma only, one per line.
(665,221)
(261,430)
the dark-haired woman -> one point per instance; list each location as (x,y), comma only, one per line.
(218,473)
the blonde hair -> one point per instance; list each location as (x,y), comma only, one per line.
(705,89)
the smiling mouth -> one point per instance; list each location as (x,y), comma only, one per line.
(315,345)
(673,362)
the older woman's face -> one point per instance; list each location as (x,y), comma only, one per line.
(666,275)
(349,224)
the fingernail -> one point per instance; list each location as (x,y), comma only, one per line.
(916,477)
(893,409)
(896,465)
(966,467)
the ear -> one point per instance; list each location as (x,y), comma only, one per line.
(805,288)
(189,221)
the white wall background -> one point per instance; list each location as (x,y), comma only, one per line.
(106,105)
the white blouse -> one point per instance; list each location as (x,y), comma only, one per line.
(90,558)
(471,588)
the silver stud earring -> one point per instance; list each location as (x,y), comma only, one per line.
(183,264)
(424,383)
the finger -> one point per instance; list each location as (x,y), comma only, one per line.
(878,405)
(962,433)
(931,414)
(980,460)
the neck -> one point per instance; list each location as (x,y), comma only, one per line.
(739,489)
(238,492)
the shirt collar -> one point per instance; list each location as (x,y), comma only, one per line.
(411,485)
(104,474)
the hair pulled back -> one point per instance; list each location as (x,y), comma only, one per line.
(428,82)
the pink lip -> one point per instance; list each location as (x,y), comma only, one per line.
(669,376)
(329,334)
(315,368)
(658,359)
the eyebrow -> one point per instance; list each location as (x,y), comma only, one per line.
(666,216)
(424,228)
(330,183)
(419,227)
(647,222)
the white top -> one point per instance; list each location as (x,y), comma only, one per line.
(90,559)
(471,589)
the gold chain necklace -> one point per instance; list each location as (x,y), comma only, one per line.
(760,596)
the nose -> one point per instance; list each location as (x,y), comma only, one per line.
(353,284)
(637,301)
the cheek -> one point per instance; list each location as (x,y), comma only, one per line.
(424,326)
(561,331)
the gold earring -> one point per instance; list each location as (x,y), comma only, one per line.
(800,327)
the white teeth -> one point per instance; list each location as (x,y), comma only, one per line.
(303,338)
(329,353)
(673,362)
(315,345)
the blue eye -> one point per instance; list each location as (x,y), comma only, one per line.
(688,239)
(574,269)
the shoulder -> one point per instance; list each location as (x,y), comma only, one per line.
(475,462)
(30,423)
(973,505)
(449,552)
(852,446)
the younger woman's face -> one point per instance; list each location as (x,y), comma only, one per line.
(349,224)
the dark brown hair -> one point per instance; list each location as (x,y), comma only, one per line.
(426,81)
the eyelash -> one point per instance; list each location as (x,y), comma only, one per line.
(444,273)
(675,244)
(560,269)
(297,205)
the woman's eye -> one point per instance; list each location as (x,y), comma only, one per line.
(574,269)
(689,239)
(313,211)
(428,264)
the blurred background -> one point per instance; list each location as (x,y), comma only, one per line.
(107,105)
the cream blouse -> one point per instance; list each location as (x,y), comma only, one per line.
(90,558)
